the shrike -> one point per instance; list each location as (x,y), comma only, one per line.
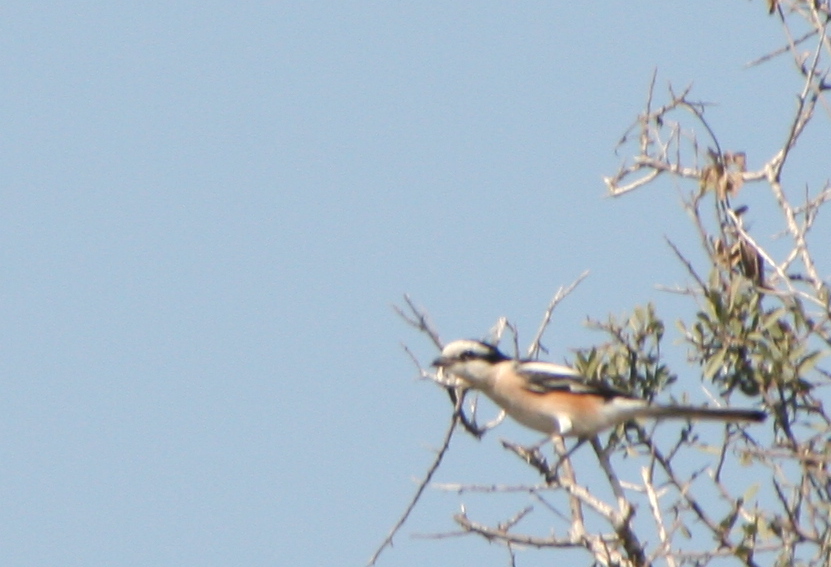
(557,400)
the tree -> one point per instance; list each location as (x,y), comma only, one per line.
(759,323)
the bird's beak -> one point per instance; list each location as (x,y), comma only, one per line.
(441,362)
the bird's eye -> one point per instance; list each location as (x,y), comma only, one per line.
(467,355)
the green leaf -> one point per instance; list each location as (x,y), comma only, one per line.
(808,363)
(715,364)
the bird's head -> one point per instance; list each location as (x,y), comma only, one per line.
(470,360)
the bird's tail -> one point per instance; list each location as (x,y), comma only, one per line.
(711,414)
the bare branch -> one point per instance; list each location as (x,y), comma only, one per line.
(421,486)
(654,506)
(562,293)
(420,320)
(497,534)
(784,49)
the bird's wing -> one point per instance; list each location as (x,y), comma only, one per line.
(543,377)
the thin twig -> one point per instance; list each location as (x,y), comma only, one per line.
(422,485)
(562,293)
(654,506)
(419,320)
(777,52)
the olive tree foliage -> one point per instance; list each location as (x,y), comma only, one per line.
(759,324)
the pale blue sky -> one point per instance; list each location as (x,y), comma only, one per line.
(207,209)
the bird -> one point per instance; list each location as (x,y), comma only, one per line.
(556,399)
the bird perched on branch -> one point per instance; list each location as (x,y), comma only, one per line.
(556,399)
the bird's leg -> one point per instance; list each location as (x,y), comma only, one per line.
(536,446)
